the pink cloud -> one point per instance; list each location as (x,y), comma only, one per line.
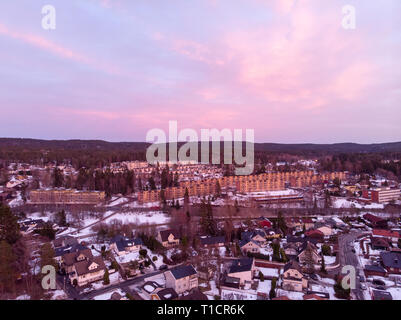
(55,49)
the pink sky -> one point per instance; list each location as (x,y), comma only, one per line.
(113,70)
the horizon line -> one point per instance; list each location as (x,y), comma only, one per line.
(282,143)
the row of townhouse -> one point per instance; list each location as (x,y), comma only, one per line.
(243,184)
(65,196)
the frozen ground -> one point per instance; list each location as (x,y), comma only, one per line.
(345,203)
(138,218)
(107,295)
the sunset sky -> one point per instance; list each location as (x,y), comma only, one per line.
(114,69)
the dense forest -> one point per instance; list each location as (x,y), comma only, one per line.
(89,155)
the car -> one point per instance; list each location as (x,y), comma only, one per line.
(314,277)
(378,282)
(363,286)
(163,267)
(353,250)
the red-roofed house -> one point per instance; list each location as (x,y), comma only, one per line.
(264,222)
(315,234)
(393,236)
(313,297)
(375,221)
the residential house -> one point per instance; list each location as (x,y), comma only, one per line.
(374,221)
(391,261)
(315,234)
(263,222)
(64,241)
(300,240)
(372,270)
(123,245)
(381,295)
(293,279)
(378,243)
(61,251)
(207,242)
(169,238)
(258,236)
(86,269)
(299,223)
(291,250)
(242,269)
(181,278)
(195,294)
(205,272)
(392,236)
(79,254)
(251,246)
(308,248)
(327,231)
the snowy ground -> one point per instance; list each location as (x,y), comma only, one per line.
(115,201)
(17,201)
(290,294)
(39,215)
(138,218)
(114,279)
(235,295)
(58,295)
(269,272)
(395,292)
(107,295)
(345,203)
(329,260)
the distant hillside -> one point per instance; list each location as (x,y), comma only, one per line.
(71,144)
(330,148)
(37,144)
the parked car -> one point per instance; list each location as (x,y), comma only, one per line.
(314,277)
(381,288)
(379,282)
(363,286)
(163,267)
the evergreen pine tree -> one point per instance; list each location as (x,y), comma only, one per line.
(9,227)
(106,278)
(7,268)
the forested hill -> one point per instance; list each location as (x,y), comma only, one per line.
(331,148)
(37,144)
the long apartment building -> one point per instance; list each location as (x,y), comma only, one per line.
(381,195)
(66,196)
(243,184)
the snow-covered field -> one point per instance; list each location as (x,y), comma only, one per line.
(345,203)
(117,201)
(138,218)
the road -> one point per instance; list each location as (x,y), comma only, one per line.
(348,257)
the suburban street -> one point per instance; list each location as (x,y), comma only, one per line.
(347,257)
